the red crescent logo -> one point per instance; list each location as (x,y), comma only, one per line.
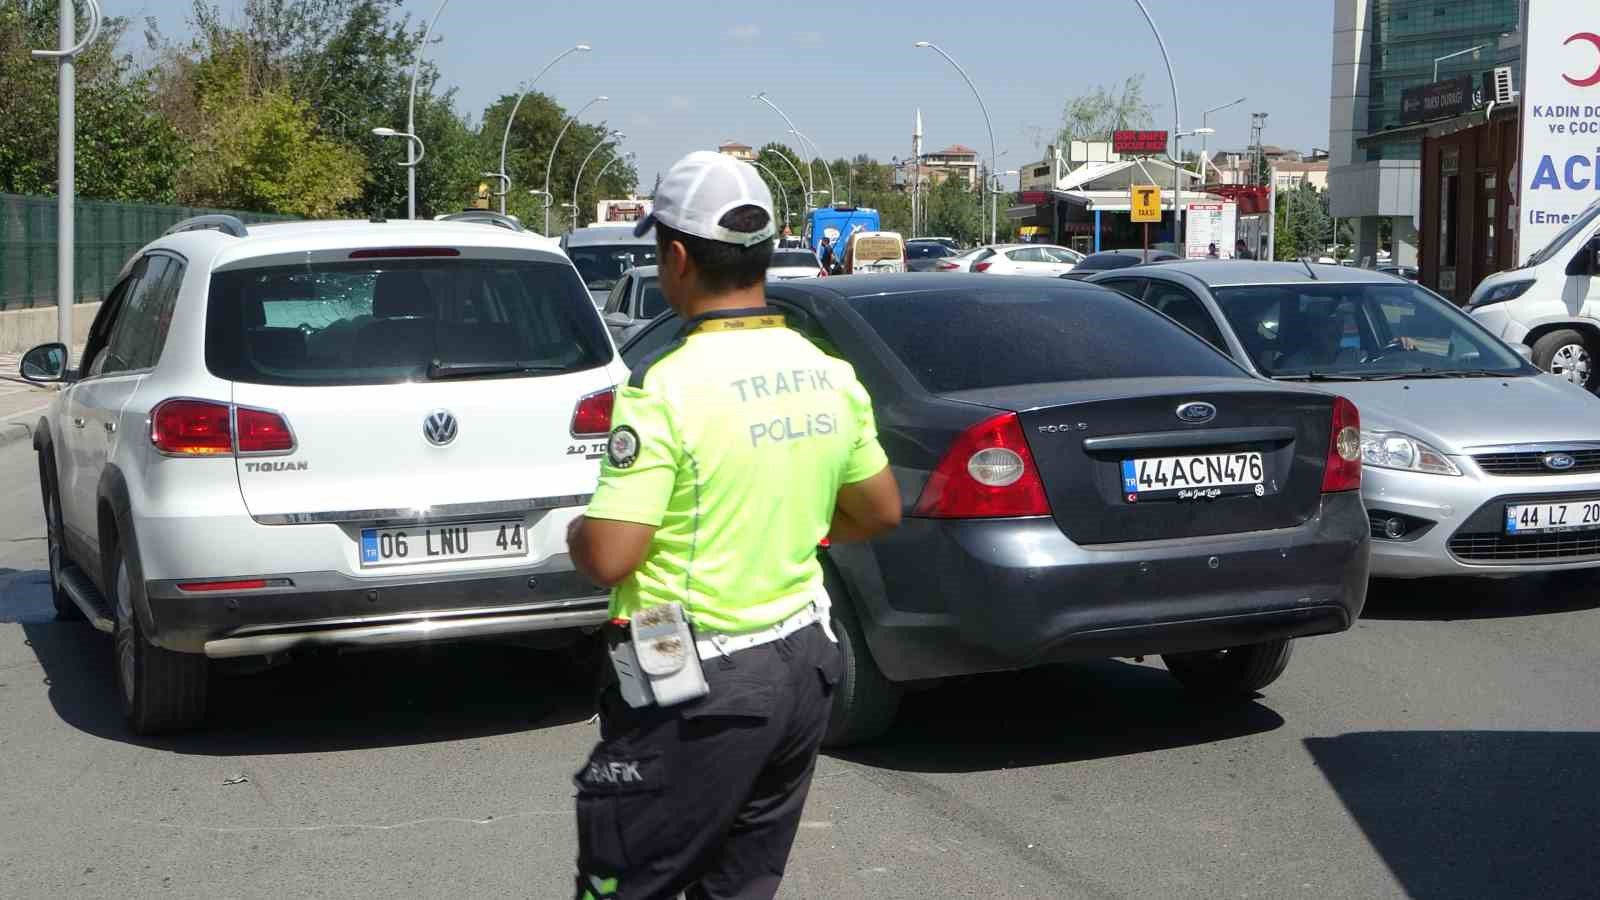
(1593,39)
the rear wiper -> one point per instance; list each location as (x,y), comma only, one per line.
(1318,376)
(438,371)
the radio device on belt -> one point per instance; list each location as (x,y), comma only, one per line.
(659,663)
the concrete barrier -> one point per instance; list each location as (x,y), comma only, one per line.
(24,328)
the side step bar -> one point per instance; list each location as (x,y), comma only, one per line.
(88,598)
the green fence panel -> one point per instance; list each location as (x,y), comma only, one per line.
(106,235)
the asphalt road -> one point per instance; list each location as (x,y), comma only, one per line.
(1447,747)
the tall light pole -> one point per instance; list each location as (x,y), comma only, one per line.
(1204,150)
(811,182)
(994,195)
(1177,117)
(66,153)
(799,179)
(417,150)
(411,116)
(816,152)
(607,167)
(549,166)
(505,179)
(993,222)
(1453,56)
(781,192)
(578,178)
(1177,169)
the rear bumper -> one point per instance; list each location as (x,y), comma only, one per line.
(333,609)
(987,595)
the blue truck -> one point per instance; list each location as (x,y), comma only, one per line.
(837,223)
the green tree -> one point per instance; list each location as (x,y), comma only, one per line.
(264,153)
(1094,115)
(538,123)
(955,211)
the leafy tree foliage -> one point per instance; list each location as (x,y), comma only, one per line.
(1094,115)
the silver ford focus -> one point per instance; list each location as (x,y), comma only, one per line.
(1476,462)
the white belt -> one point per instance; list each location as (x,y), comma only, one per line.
(725,644)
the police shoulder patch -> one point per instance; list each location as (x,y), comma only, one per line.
(623,448)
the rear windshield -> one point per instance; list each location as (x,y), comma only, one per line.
(1102,261)
(387,321)
(965,339)
(877,248)
(794,259)
(602,265)
(928,251)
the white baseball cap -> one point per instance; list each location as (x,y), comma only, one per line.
(703,187)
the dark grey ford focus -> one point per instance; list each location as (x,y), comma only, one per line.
(1082,477)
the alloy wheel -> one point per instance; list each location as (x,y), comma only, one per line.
(126,635)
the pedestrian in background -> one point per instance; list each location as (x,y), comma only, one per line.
(827,255)
(734,452)
(1241,250)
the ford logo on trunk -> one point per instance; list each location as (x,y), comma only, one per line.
(439,427)
(1197,413)
(1560,461)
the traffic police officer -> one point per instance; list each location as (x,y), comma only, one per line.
(734,451)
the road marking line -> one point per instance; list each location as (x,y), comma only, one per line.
(25,413)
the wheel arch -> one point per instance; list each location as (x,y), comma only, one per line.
(1586,327)
(114,515)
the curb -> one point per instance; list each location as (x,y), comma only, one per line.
(12,432)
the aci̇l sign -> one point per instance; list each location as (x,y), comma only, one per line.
(1560,163)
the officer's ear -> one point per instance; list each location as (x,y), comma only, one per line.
(674,257)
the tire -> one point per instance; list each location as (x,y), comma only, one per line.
(66,610)
(161,691)
(864,702)
(1234,672)
(1568,353)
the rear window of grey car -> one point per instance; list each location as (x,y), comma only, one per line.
(384,321)
(964,339)
(601,265)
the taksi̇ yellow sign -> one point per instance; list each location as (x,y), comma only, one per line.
(1144,203)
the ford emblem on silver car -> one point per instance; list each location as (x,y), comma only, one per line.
(1197,413)
(439,427)
(1560,462)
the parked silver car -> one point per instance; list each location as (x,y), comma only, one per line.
(633,303)
(1476,462)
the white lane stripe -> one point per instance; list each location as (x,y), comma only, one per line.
(26,413)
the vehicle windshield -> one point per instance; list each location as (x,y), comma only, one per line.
(924,250)
(652,302)
(1566,234)
(874,247)
(960,340)
(600,265)
(794,259)
(1360,330)
(388,321)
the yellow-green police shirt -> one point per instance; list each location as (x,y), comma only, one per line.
(734,442)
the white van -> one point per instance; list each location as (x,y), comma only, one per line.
(1552,303)
(875,251)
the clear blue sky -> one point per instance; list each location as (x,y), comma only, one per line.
(680,75)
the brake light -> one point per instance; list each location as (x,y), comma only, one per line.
(246,584)
(592,417)
(1343,472)
(191,428)
(981,267)
(262,431)
(403,252)
(821,272)
(988,472)
(947,267)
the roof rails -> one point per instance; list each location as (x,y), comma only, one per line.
(229,225)
(484,217)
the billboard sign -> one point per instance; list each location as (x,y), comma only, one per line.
(1439,100)
(1139,143)
(1211,225)
(1559,168)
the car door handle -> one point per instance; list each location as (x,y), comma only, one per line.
(111,427)
(78,422)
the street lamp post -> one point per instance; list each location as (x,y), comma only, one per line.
(413,142)
(549,166)
(411,117)
(816,152)
(811,182)
(1453,56)
(1177,117)
(1177,171)
(1204,149)
(66,153)
(578,179)
(775,180)
(993,222)
(607,167)
(505,179)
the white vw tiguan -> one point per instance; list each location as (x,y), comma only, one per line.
(322,433)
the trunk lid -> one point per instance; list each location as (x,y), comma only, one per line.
(1080,434)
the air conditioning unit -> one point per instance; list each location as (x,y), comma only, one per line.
(1503,92)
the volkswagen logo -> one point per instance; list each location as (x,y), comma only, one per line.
(1197,413)
(439,427)
(1560,462)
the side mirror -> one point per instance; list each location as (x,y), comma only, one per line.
(1524,351)
(618,320)
(45,364)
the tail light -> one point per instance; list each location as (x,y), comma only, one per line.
(988,472)
(821,272)
(947,267)
(592,417)
(981,267)
(208,428)
(403,252)
(1343,472)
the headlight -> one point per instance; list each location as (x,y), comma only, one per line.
(1511,290)
(1393,450)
